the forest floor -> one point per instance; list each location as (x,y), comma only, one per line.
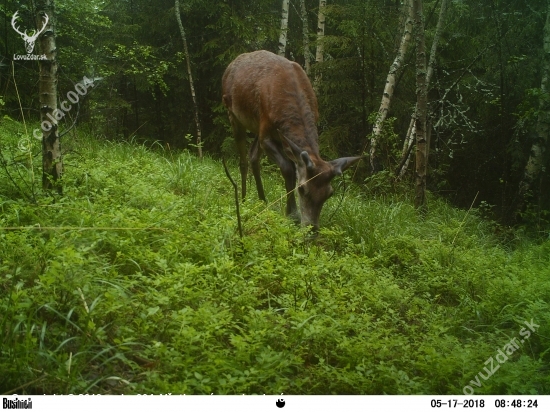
(136,281)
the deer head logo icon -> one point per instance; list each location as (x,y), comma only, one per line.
(29,40)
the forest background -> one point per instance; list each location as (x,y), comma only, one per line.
(135,280)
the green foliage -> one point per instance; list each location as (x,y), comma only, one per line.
(389,142)
(135,281)
(485,93)
(18,152)
(144,65)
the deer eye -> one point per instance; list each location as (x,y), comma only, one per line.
(301,190)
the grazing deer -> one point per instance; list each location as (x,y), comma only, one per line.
(273,98)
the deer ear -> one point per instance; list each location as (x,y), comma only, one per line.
(339,166)
(291,149)
(307,161)
(296,154)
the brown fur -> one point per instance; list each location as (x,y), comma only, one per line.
(273,98)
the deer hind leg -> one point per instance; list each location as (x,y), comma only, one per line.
(255,154)
(239,134)
(274,151)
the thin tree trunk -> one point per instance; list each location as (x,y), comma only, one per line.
(319,57)
(428,137)
(536,158)
(406,151)
(284,28)
(320,31)
(389,89)
(435,43)
(52,160)
(421,107)
(305,32)
(407,144)
(409,139)
(191,84)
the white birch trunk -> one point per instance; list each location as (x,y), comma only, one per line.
(305,32)
(320,31)
(319,57)
(52,161)
(389,89)
(409,139)
(284,28)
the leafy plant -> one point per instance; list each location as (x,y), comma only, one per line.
(136,281)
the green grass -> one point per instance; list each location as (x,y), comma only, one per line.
(135,281)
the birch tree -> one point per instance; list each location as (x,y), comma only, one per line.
(421,107)
(320,38)
(284,28)
(305,33)
(320,31)
(411,133)
(535,164)
(190,75)
(52,160)
(389,88)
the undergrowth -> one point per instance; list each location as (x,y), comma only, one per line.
(136,281)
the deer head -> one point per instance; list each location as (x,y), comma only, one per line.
(29,40)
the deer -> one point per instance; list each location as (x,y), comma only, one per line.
(272,97)
(29,40)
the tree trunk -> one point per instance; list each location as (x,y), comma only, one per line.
(191,84)
(284,28)
(320,37)
(389,89)
(52,161)
(435,43)
(320,31)
(407,146)
(305,32)
(535,163)
(421,107)
(409,139)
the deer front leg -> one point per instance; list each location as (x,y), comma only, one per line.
(239,134)
(275,152)
(255,155)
